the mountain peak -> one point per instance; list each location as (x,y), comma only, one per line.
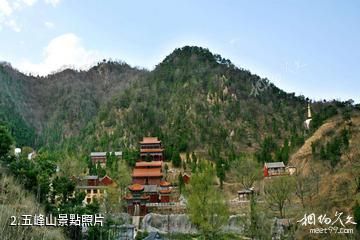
(195,53)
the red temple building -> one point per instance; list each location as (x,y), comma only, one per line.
(151,149)
(100,157)
(164,191)
(274,169)
(94,187)
(136,201)
(147,173)
(153,192)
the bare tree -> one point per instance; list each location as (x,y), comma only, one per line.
(354,161)
(315,179)
(278,193)
(300,186)
(247,172)
(304,186)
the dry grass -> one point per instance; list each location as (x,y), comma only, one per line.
(302,158)
(336,187)
(15,201)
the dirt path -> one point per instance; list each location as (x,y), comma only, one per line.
(301,159)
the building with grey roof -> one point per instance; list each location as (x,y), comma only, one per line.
(274,169)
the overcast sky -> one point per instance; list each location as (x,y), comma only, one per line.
(308,47)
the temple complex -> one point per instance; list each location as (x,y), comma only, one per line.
(147,178)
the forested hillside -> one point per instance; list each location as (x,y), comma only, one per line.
(193,100)
(14,105)
(196,100)
(43,111)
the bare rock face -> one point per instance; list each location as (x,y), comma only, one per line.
(123,218)
(174,223)
(236,224)
(180,223)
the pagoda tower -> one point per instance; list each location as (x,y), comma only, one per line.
(309,118)
(151,149)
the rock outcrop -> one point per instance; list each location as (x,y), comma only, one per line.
(180,223)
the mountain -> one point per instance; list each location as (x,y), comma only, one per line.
(192,100)
(195,100)
(15,110)
(46,110)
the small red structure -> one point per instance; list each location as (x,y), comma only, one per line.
(100,157)
(165,191)
(93,186)
(274,169)
(153,192)
(136,201)
(186,178)
(106,181)
(91,180)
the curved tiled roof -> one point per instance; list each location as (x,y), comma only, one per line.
(143,197)
(151,150)
(165,191)
(147,172)
(274,165)
(149,164)
(150,140)
(164,184)
(136,187)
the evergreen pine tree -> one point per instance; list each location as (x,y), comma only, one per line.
(176,159)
